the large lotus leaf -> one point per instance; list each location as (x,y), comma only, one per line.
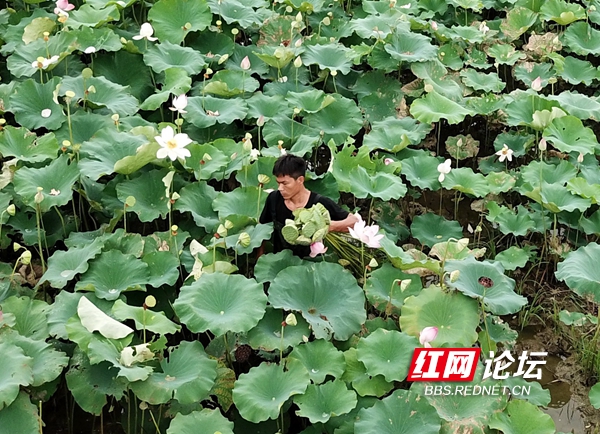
(499,298)
(101,153)
(126,69)
(403,412)
(266,335)
(521,417)
(435,75)
(148,189)
(334,57)
(580,273)
(558,173)
(221,303)
(486,104)
(84,125)
(320,358)
(63,266)
(505,54)
(155,322)
(411,47)
(177,82)
(116,98)
(237,11)
(393,134)
(100,350)
(286,129)
(431,229)
(517,21)
(247,201)
(568,134)
(434,107)
(89,16)
(205,111)
(310,101)
(65,307)
(97,39)
(31,101)
(514,257)
(578,105)
(30,316)
(381,185)
(455,316)
(26,146)
(269,265)
(582,39)
(421,170)
(374,26)
(21,417)
(518,142)
(20,62)
(577,71)
(174,19)
(163,56)
(17,370)
(581,187)
(362,382)
(330,299)
(197,198)
(480,81)
(200,422)
(181,380)
(466,181)
(163,267)
(267,106)
(279,57)
(536,396)
(320,402)
(228,83)
(260,394)
(470,34)
(206,167)
(56,179)
(338,120)
(387,353)
(525,107)
(258,234)
(517,224)
(112,273)
(384,292)
(556,198)
(561,12)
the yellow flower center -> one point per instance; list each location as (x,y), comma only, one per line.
(171,144)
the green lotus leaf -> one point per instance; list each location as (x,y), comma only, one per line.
(99,155)
(21,417)
(174,19)
(334,57)
(403,412)
(88,16)
(411,47)
(537,395)
(520,417)
(163,267)
(362,382)
(266,335)
(568,134)
(277,57)
(381,185)
(521,111)
(112,96)
(320,358)
(267,106)
(518,142)
(393,134)
(505,54)
(310,101)
(84,125)
(228,83)
(17,371)
(161,57)
(248,177)
(378,27)
(422,226)
(90,384)
(499,298)
(450,55)
(384,292)
(577,71)
(576,318)
(176,82)
(206,111)
(513,257)
(247,201)
(321,402)
(109,350)
(421,170)
(127,69)
(63,266)
(200,422)
(112,273)
(509,222)
(579,272)
(595,395)
(528,72)
(30,316)
(455,316)
(20,62)
(487,104)
(469,34)
(517,21)
(197,198)
(500,182)
(466,181)
(480,81)
(339,310)
(65,307)
(578,105)
(269,265)
(558,173)
(387,353)
(236,11)
(435,74)
(203,167)
(561,12)
(556,198)
(582,39)
(434,107)
(260,394)
(31,101)
(98,39)
(181,380)
(156,322)
(221,303)
(581,187)
(337,120)
(25,146)
(148,189)
(56,179)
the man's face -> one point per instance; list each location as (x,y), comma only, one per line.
(289,186)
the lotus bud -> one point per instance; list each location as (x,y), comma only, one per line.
(130,201)
(261,121)
(304,338)
(17,247)
(326,21)
(291,320)
(39,196)
(228,225)
(247,145)
(404,285)
(580,158)
(209,71)
(592,8)
(299,17)
(244,239)
(11,209)
(245,64)
(298,43)
(298,62)
(115,118)
(433,25)
(221,231)
(25,257)
(263,179)
(454,276)
(543,145)
(150,301)
(223,59)
(233,156)
(87,73)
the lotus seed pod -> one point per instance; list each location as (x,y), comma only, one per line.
(333,73)
(303,241)
(130,201)
(222,60)
(290,233)
(404,285)
(326,21)
(319,235)
(87,73)
(263,179)
(221,231)
(228,225)
(304,216)
(11,209)
(16,247)
(179,122)
(174,228)
(454,276)
(66,143)
(309,229)
(70,94)
(244,239)
(291,320)
(150,301)
(25,257)
(234,32)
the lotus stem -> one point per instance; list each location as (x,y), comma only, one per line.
(154,421)
(40,423)
(38,218)
(227,355)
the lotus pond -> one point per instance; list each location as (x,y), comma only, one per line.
(137,144)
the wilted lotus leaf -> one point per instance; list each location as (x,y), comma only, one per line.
(517,21)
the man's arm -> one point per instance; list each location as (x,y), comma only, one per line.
(343,225)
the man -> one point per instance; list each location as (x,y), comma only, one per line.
(291,195)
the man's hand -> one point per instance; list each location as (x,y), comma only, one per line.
(343,225)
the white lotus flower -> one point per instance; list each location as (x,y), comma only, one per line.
(43,63)
(483,28)
(146,31)
(444,169)
(89,50)
(179,104)
(505,153)
(172,145)
(254,154)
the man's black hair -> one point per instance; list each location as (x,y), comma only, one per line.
(290,165)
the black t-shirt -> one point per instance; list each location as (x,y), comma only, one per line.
(282,213)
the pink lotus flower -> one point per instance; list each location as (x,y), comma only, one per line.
(427,335)
(62,7)
(537,84)
(367,234)
(317,248)
(388,161)
(245,65)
